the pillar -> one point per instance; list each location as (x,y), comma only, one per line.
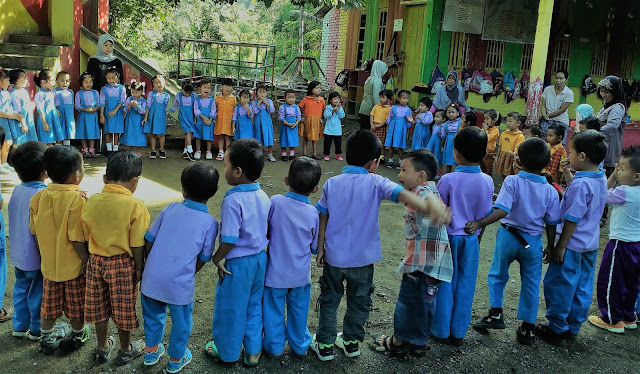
(539,61)
(62,21)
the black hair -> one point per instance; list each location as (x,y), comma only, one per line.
(200,181)
(470,118)
(312,85)
(563,71)
(83,76)
(400,93)
(591,123)
(123,166)
(535,130)
(443,114)
(37,78)
(332,95)
(304,175)
(245,93)
(202,82)
(423,160)
(61,162)
(188,87)
(289,91)
(4,73)
(136,86)
(247,154)
(494,115)
(15,74)
(558,130)
(517,116)
(28,160)
(386,93)
(427,102)
(362,147)
(114,70)
(226,82)
(454,106)
(471,143)
(632,153)
(261,87)
(62,72)
(592,143)
(534,154)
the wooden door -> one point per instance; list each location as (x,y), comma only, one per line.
(412,48)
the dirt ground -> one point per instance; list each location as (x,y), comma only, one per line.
(595,351)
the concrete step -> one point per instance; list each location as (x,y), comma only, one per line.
(41,50)
(28,62)
(30,39)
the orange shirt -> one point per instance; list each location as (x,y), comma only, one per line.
(510,140)
(492,134)
(224,106)
(312,107)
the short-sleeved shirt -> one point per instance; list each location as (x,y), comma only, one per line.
(25,254)
(492,135)
(625,213)
(557,153)
(380,113)
(63,97)
(114,222)
(224,105)
(182,100)
(311,106)
(333,124)
(181,234)
(55,220)
(554,102)
(113,91)
(530,202)
(352,202)
(287,110)
(205,102)
(583,202)
(509,141)
(468,192)
(244,219)
(293,237)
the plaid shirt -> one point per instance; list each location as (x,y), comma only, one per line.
(557,154)
(428,248)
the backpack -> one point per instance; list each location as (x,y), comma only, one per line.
(481,82)
(342,79)
(634,93)
(509,81)
(588,85)
(525,81)
(513,93)
(498,82)
(437,80)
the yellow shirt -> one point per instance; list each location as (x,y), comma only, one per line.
(55,220)
(380,113)
(114,222)
(492,138)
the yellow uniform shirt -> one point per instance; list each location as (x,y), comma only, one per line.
(114,221)
(380,113)
(55,220)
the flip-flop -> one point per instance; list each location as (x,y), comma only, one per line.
(384,343)
(102,356)
(249,364)
(5,315)
(211,350)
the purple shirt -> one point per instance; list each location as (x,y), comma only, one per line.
(240,110)
(293,237)
(159,97)
(112,91)
(209,102)
(63,97)
(451,126)
(424,118)
(530,201)
(255,109)
(352,202)
(287,110)
(244,217)
(91,99)
(182,100)
(44,97)
(25,254)
(181,234)
(583,202)
(401,111)
(142,105)
(6,104)
(468,193)
(20,99)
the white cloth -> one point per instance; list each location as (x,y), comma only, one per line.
(554,102)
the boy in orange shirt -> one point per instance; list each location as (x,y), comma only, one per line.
(380,113)
(555,135)
(225,102)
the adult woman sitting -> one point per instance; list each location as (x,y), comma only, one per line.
(555,103)
(451,93)
(371,97)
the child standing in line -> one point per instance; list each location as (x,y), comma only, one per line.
(555,136)
(64,104)
(169,279)
(399,120)
(424,119)
(333,116)
(293,237)
(9,120)
(5,314)
(87,104)
(204,108)
(312,107)
(155,118)
(243,117)
(237,315)
(48,128)
(289,115)
(508,142)
(379,115)
(449,130)
(225,103)
(262,123)
(134,109)
(22,104)
(112,97)
(435,142)
(532,131)
(490,126)
(468,119)
(185,101)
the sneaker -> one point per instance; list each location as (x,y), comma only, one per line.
(50,342)
(4,171)
(326,158)
(398,166)
(492,321)
(163,154)
(618,328)
(339,158)
(19,334)
(9,167)
(220,156)
(33,336)
(74,340)
(209,156)
(271,158)
(137,349)
(630,325)
(92,154)
(185,155)
(283,157)
(545,332)
(174,367)
(152,358)
(292,157)
(390,164)
(152,155)
(524,336)
(189,156)
(350,347)
(85,153)
(323,351)
(197,155)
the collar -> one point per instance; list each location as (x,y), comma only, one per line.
(34,184)
(555,147)
(226,97)
(423,185)
(532,177)
(116,188)
(243,188)
(45,90)
(63,187)
(319,98)
(468,169)
(590,174)
(297,196)
(195,205)
(350,169)
(565,90)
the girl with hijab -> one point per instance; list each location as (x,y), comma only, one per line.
(103,59)
(371,97)
(451,93)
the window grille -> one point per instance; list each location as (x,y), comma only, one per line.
(361,36)
(382,34)
(527,57)
(495,55)
(561,55)
(626,69)
(599,59)
(459,51)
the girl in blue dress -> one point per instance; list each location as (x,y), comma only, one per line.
(134,109)
(25,129)
(206,111)
(185,101)
(262,123)
(242,117)
(450,130)
(48,126)
(422,132)
(289,115)
(8,119)
(87,105)
(155,118)
(435,142)
(112,97)
(400,118)
(64,104)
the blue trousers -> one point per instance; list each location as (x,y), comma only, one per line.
(455,300)
(507,250)
(3,268)
(295,330)
(638,305)
(568,288)
(27,297)
(415,308)
(155,315)
(237,314)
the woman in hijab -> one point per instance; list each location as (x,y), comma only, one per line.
(103,59)
(371,97)
(451,93)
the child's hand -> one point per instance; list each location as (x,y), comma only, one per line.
(59,114)
(16,116)
(144,120)
(320,258)
(438,213)
(545,255)
(138,275)
(615,172)
(410,119)
(471,227)
(556,254)
(112,113)
(565,164)
(45,126)
(25,129)
(222,270)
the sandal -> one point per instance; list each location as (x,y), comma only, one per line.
(251,364)
(316,157)
(385,344)
(417,351)
(5,314)
(102,356)
(211,350)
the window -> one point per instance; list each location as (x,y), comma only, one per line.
(561,55)
(459,50)
(527,57)
(599,60)
(495,55)
(382,33)
(361,36)
(626,68)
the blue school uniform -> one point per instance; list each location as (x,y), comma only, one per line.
(7,124)
(450,130)
(64,104)
(422,133)
(243,122)
(435,143)
(398,124)
(21,102)
(288,135)
(46,108)
(87,126)
(157,104)
(262,123)
(185,113)
(133,134)
(110,97)
(204,106)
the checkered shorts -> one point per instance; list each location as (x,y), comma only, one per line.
(381,132)
(111,291)
(63,297)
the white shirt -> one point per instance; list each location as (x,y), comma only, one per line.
(625,215)
(554,102)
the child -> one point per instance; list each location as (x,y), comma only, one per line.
(205,110)
(48,128)
(620,266)
(5,314)
(531,131)
(449,130)
(293,237)
(399,120)
(55,220)
(468,119)
(589,123)
(114,224)
(583,111)
(237,315)
(289,115)
(380,113)
(9,120)
(555,136)
(134,109)
(243,117)
(169,279)
(467,192)
(225,103)
(520,237)
(349,241)
(422,133)
(568,283)
(87,103)
(155,118)
(508,142)
(312,107)
(25,256)
(492,120)
(26,131)
(333,115)
(64,104)
(262,123)
(185,101)
(112,97)
(435,142)
(427,262)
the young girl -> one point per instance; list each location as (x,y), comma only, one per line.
(185,100)
(243,116)
(134,108)
(262,124)
(312,108)
(155,118)
(22,104)
(48,126)
(8,119)
(490,125)
(508,142)
(64,104)
(468,119)
(112,97)
(379,115)
(333,115)
(422,133)
(399,120)
(289,115)
(449,130)
(87,104)
(205,110)
(225,104)
(435,142)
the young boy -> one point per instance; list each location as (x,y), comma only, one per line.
(620,267)
(225,103)
(237,315)
(427,262)
(532,131)
(55,220)
(114,224)
(349,241)
(589,123)
(293,237)
(468,193)
(25,255)
(568,283)
(520,237)
(555,136)
(178,243)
